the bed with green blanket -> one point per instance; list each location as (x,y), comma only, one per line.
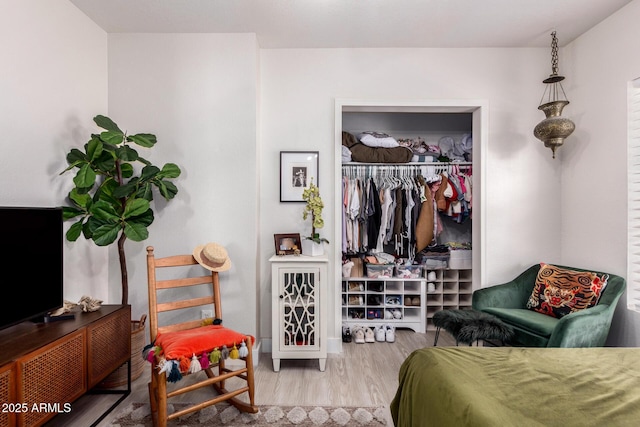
(509,386)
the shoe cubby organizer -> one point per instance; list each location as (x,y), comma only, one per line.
(404,303)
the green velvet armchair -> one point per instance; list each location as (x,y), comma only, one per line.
(585,328)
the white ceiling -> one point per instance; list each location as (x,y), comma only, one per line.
(360,23)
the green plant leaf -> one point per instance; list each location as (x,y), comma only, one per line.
(126,169)
(82,200)
(170,171)
(105,191)
(76,156)
(145,161)
(145,191)
(104,212)
(106,123)
(145,219)
(136,231)
(135,228)
(125,190)
(108,197)
(94,149)
(106,163)
(110,137)
(143,139)
(127,154)
(86,177)
(69,212)
(149,172)
(108,147)
(135,207)
(167,189)
(74,231)
(106,234)
(72,166)
(90,226)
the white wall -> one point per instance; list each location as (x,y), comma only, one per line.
(298,89)
(53,80)
(594,160)
(197,93)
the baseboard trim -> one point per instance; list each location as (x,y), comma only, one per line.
(334,345)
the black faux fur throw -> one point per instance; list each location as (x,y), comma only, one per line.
(468,326)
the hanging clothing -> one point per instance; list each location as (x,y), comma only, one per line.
(398,210)
(424,225)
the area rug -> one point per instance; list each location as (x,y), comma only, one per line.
(138,415)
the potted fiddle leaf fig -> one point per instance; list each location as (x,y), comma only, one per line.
(111,199)
(313,245)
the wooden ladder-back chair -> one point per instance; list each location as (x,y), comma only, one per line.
(189,346)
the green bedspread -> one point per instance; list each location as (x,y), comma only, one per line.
(507,386)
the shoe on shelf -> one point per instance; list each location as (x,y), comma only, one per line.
(388,315)
(356,286)
(374,314)
(358,333)
(346,334)
(415,301)
(355,300)
(390,333)
(374,300)
(374,287)
(407,300)
(393,300)
(431,276)
(397,314)
(381,333)
(431,287)
(368,335)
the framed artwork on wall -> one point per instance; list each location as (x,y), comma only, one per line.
(297,169)
(287,244)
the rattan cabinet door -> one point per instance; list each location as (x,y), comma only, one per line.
(109,345)
(50,378)
(7,387)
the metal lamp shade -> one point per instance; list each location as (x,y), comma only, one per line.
(554,128)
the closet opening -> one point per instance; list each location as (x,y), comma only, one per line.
(409,221)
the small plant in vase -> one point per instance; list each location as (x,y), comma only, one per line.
(313,245)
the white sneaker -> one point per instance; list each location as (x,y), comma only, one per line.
(388,315)
(431,276)
(390,333)
(358,334)
(397,314)
(368,335)
(381,333)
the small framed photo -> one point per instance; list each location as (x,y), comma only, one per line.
(297,169)
(287,244)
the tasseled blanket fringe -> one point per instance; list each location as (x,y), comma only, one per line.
(176,367)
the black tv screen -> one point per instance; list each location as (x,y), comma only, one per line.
(32,263)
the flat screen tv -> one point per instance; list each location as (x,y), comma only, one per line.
(32,279)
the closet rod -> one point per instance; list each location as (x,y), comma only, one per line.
(353,164)
(400,167)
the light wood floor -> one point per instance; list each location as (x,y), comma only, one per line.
(362,375)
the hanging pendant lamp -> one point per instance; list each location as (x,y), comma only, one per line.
(554,128)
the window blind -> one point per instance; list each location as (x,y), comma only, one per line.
(633,196)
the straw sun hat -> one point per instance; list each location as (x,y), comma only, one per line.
(212,256)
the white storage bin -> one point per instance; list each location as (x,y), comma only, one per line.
(460,259)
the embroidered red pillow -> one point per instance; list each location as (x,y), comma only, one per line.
(181,344)
(560,291)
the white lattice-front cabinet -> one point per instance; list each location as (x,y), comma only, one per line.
(299,289)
